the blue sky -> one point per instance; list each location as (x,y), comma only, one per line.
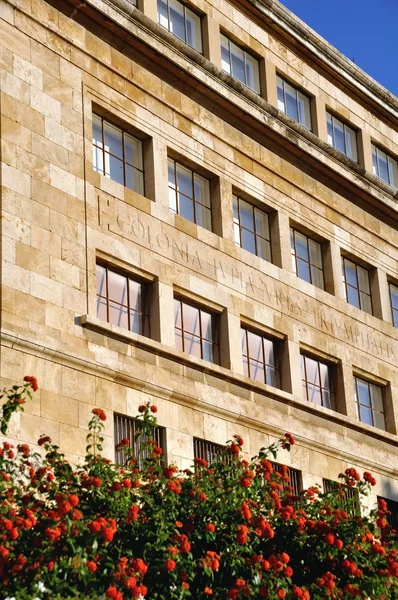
(366,31)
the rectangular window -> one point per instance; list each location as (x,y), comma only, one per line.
(369,403)
(342,137)
(317,382)
(260,360)
(196,331)
(251,228)
(293,103)
(394,303)
(384,166)
(181,21)
(117,155)
(189,194)
(208,450)
(290,479)
(128,427)
(307,258)
(350,496)
(240,64)
(122,300)
(356,285)
(392,506)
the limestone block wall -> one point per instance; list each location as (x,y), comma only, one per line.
(59,217)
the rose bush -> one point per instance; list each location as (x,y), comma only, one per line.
(229,530)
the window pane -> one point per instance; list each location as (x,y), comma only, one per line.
(350,273)
(238,62)
(177,24)
(374,161)
(394,296)
(246,215)
(303,270)
(237,234)
(366,303)
(257,371)
(363,280)
(163,17)
(324,372)
(113,140)
(291,102)
(315,253)
(393,172)
(269,357)
(203,216)
(379,420)
(202,190)
(317,278)
(312,370)
(194,32)
(339,136)
(185,208)
(351,143)
(365,415)
(353,296)
(136,322)
(207,330)
(192,345)
(98,160)
(383,167)
(262,223)
(114,168)
(135,290)
(326,399)
(363,393)
(184,181)
(271,376)
(97,131)
(117,285)
(133,151)
(100,277)
(252,73)
(235,209)
(191,319)
(208,351)
(248,242)
(263,249)
(314,394)
(329,123)
(177,314)
(135,180)
(304,110)
(281,97)
(171,172)
(101,309)
(118,315)
(376,397)
(255,346)
(225,59)
(301,245)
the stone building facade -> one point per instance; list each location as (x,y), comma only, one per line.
(199,208)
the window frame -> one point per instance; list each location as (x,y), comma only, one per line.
(276,352)
(185,7)
(389,160)
(357,288)
(306,383)
(176,191)
(311,265)
(256,235)
(214,329)
(245,54)
(123,160)
(145,295)
(394,310)
(298,91)
(370,407)
(345,127)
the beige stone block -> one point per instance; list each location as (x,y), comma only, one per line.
(57,89)
(6,59)
(191,421)
(59,408)
(8,106)
(74,300)
(72,439)
(77,384)
(25,71)
(72,253)
(15,180)
(12,365)
(7,12)
(44,58)
(16,228)
(60,135)
(212,40)
(8,299)
(110,395)
(63,226)
(33,427)
(17,134)
(64,272)
(179,444)
(46,289)
(62,180)
(14,40)
(45,104)
(44,240)
(214,429)
(31,119)
(50,151)
(9,153)
(34,211)
(29,308)
(32,165)
(32,260)
(149,8)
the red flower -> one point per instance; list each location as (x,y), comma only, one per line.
(210,527)
(98,412)
(170,564)
(91,566)
(139,566)
(73,499)
(33,382)
(107,534)
(208,591)
(53,534)
(368,477)
(154,409)
(124,443)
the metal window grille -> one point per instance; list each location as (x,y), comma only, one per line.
(122,300)
(208,450)
(127,427)
(295,478)
(392,506)
(350,495)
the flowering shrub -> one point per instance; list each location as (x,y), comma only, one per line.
(229,530)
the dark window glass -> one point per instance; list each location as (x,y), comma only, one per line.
(189,194)
(293,103)
(290,479)
(196,331)
(181,21)
(251,228)
(122,300)
(342,137)
(350,496)
(392,517)
(240,64)
(117,155)
(208,450)
(394,303)
(260,361)
(317,382)
(369,403)
(128,427)
(384,166)
(356,285)
(307,258)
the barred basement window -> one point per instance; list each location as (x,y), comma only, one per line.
(117,155)
(307,258)
(240,64)
(181,21)
(392,506)
(189,194)
(122,300)
(260,360)
(295,478)
(207,450)
(356,285)
(196,331)
(251,228)
(349,495)
(127,427)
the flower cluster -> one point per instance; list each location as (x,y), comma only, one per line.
(231,529)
